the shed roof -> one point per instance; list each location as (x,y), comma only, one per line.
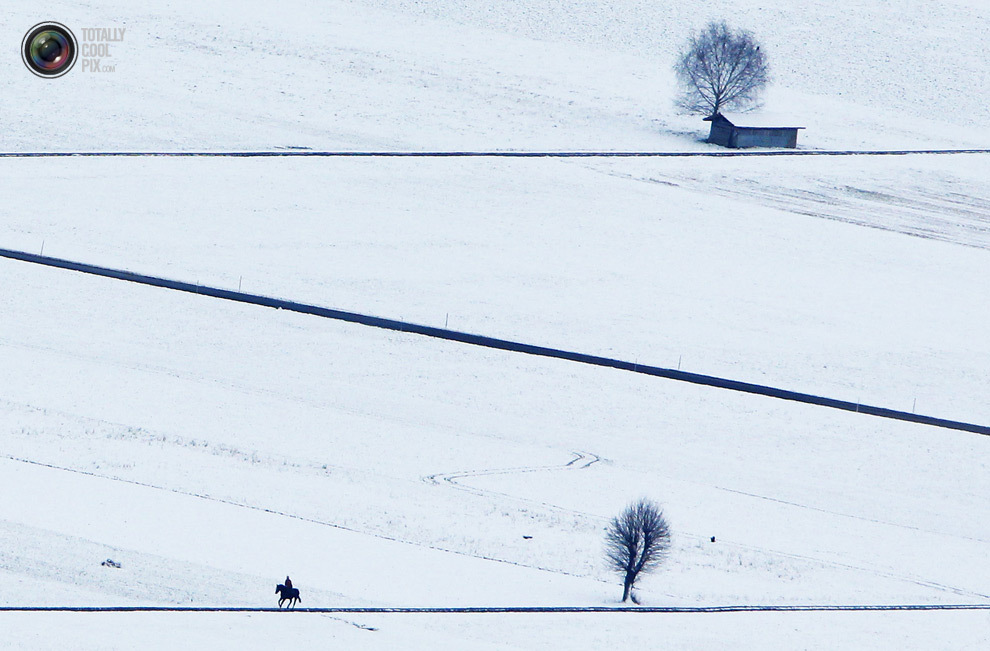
(757,120)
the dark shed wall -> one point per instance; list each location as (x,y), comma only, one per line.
(769,137)
(720,134)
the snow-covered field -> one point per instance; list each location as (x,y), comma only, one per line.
(211,448)
(222,445)
(472,74)
(755,270)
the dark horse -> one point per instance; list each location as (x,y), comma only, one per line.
(287,594)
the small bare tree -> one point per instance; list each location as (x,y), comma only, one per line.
(636,541)
(721,68)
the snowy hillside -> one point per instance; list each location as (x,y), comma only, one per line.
(535,74)
(210,448)
(861,279)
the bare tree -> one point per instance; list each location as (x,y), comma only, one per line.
(636,541)
(721,68)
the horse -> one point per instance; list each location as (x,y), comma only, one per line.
(287,594)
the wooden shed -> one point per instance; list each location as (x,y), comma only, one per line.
(750,130)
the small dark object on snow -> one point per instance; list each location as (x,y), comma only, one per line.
(527,537)
(713,538)
(287,594)
(110,563)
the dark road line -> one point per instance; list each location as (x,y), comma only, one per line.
(494,343)
(502,610)
(489,154)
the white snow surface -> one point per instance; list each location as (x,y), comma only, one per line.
(211,448)
(469,74)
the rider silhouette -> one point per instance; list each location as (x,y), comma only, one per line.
(288,583)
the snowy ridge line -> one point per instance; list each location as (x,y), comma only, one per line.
(498,609)
(494,343)
(494,154)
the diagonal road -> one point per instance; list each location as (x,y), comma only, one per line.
(494,343)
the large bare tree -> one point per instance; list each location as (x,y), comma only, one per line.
(636,541)
(721,69)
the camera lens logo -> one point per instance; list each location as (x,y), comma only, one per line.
(49,50)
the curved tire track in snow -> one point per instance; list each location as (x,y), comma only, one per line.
(492,342)
(581,461)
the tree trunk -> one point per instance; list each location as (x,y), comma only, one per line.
(626,588)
